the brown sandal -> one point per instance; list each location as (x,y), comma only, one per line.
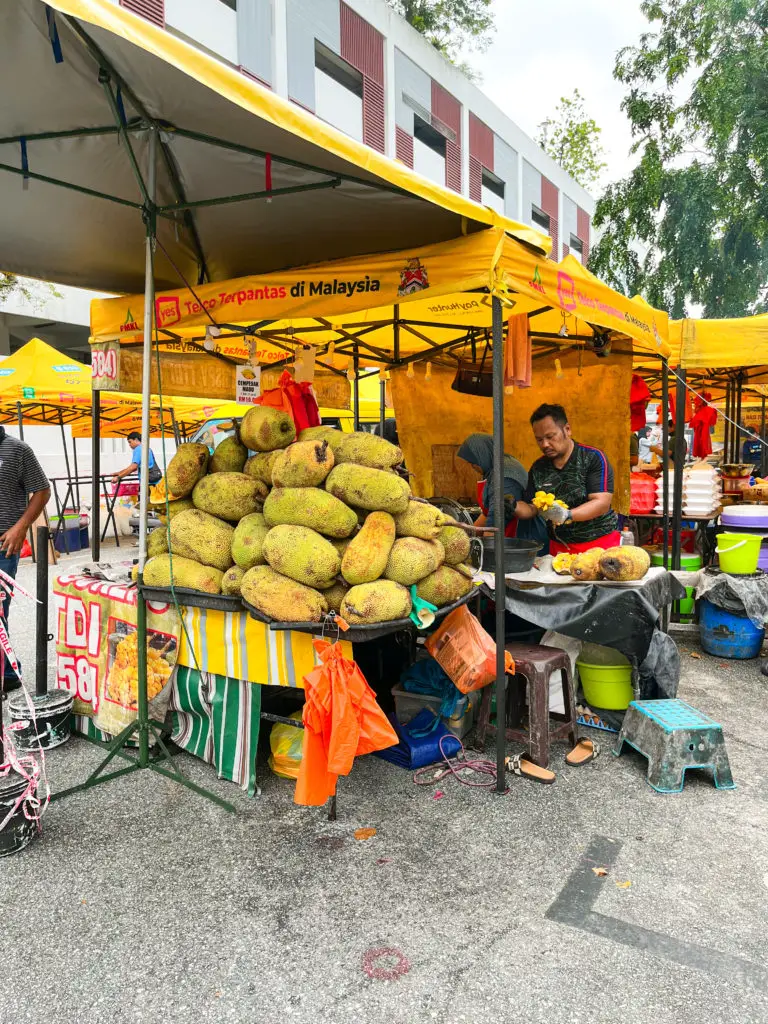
(584,752)
(520,765)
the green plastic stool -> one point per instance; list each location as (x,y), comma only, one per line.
(675,737)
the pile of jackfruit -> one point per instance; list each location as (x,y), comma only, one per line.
(306,525)
(621,564)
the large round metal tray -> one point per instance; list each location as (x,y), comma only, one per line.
(193,598)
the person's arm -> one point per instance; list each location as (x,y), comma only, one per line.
(595,505)
(124,472)
(12,541)
(524,508)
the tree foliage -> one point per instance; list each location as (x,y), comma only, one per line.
(450,25)
(573,140)
(36,293)
(696,202)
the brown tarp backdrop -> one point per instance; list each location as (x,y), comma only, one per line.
(432,419)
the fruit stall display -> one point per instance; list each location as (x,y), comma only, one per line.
(307,525)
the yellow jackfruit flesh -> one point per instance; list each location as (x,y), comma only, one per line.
(259,466)
(456,544)
(312,507)
(411,559)
(382,601)
(562,563)
(202,537)
(371,489)
(365,450)
(186,573)
(187,466)
(366,555)
(232,580)
(281,598)
(264,429)
(229,496)
(586,565)
(248,539)
(444,586)
(301,554)
(419,520)
(625,563)
(303,464)
(229,456)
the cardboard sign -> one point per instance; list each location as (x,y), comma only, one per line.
(247,384)
(105,366)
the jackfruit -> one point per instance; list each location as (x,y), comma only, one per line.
(229,495)
(341,544)
(229,457)
(365,450)
(321,433)
(419,520)
(202,537)
(411,559)
(562,563)
(303,464)
(281,598)
(247,541)
(173,509)
(264,429)
(370,489)
(625,563)
(335,595)
(157,542)
(187,466)
(366,556)
(135,572)
(302,554)
(382,601)
(444,586)
(186,573)
(231,581)
(259,466)
(309,506)
(586,566)
(456,544)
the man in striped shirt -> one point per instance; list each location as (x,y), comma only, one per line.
(579,476)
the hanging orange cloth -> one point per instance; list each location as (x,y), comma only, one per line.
(342,721)
(298,400)
(702,421)
(517,357)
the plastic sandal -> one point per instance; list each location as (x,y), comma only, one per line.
(522,766)
(584,752)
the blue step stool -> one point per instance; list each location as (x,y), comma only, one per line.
(675,737)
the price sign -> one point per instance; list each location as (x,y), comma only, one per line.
(105,366)
(247,384)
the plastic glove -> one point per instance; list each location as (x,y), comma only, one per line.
(510,504)
(557,515)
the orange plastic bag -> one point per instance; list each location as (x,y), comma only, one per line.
(465,651)
(298,400)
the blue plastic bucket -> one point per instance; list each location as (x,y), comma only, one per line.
(725,635)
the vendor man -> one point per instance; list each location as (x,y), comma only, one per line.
(579,476)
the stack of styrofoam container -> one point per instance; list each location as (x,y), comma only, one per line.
(702,490)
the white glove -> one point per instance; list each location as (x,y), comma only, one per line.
(556,515)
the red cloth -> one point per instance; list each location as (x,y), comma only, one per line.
(518,365)
(608,540)
(342,721)
(298,400)
(511,529)
(639,396)
(702,421)
(673,404)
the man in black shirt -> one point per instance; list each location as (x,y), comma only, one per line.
(20,477)
(579,476)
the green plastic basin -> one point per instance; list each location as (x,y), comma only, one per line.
(606,686)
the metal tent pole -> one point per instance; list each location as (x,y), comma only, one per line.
(498,516)
(727,425)
(665,458)
(677,499)
(41,638)
(356,389)
(77,471)
(737,417)
(66,456)
(175,425)
(95,476)
(20,420)
(382,402)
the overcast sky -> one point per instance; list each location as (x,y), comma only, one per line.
(544,50)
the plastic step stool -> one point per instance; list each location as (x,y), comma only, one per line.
(675,737)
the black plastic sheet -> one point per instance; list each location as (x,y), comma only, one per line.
(739,595)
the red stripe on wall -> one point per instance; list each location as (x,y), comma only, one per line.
(452,166)
(447,108)
(549,203)
(480,141)
(583,229)
(475,179)
(361,45)
(373,114)
(404,146)
(152,10)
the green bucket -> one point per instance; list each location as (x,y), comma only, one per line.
(688,563)
(738,553)
(606,678)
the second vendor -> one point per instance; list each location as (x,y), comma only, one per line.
(579,476)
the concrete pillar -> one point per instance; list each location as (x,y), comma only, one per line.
(5,336)
(280,47)
(465,149)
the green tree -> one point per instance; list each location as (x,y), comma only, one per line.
(573,140)
(690,223)
(450,25)
(36,293)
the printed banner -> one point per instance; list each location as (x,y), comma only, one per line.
(97,652)
(105,364)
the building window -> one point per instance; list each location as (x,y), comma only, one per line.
(338,92)
(230,3)
(576,247)
(539,218)
(492,192)
(428,151)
